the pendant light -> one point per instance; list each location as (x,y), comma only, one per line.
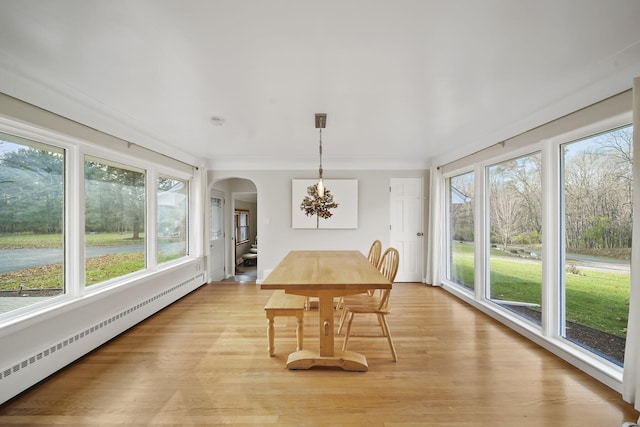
(321,122)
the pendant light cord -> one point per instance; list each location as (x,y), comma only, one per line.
(320,169)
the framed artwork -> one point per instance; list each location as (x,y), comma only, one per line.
(345,195)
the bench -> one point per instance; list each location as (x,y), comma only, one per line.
(282,304)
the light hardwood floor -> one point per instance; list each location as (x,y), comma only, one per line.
(203,361)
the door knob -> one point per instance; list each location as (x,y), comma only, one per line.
(420,234)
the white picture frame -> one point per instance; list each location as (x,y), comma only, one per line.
(345,194)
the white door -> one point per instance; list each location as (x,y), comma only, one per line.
(407,227)
(216,236)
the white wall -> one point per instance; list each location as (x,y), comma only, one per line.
(276,235)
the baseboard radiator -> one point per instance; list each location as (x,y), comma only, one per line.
(29,369)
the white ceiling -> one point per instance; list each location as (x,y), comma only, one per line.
(405,83)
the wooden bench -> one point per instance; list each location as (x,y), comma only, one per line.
(282,304)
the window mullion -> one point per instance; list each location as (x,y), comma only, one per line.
(480,232)
(151,230)
(551,241)
(74,264)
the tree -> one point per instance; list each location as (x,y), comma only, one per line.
(515,200)
(598,191)
(31,190)
(461,207)
(115,199)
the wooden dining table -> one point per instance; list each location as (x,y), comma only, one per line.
(326,275)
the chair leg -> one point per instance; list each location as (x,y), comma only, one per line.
(343,316)
(385,328)
(381,324)
(346,335)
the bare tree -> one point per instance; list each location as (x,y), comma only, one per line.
(598,191)
(515,200)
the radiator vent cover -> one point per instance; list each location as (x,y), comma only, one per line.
(48,351)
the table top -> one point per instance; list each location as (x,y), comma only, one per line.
(320,270)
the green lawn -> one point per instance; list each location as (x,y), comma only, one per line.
(105,267)
(593,298)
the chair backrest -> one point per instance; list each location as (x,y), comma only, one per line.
(374,253)
(389,268)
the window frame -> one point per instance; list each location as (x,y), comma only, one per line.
(188,216)
(448,222)
(145,216)
(560,318)
(75,151)
(548,334)
(487,243)
(27,138)
(238,213)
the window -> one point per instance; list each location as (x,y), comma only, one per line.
(173,198)
(596,198)
(461,240)
(515,229)
(31,222)
(242,226)
(114,220)
(51,196)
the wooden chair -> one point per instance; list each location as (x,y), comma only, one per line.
(374,252)
(374,258)
(375,305)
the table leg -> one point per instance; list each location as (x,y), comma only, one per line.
(347,360)
(299,329)
(325,309)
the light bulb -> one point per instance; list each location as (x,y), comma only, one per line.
(320,188)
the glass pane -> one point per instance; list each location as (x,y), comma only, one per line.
(597,202)
(461,239)
(31,222)
(215,227)
(515,268)
(114,220)
(173,197)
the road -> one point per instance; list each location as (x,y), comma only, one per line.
(17,259)
(598,263)
(588,262)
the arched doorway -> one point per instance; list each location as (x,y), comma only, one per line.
(238,221)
